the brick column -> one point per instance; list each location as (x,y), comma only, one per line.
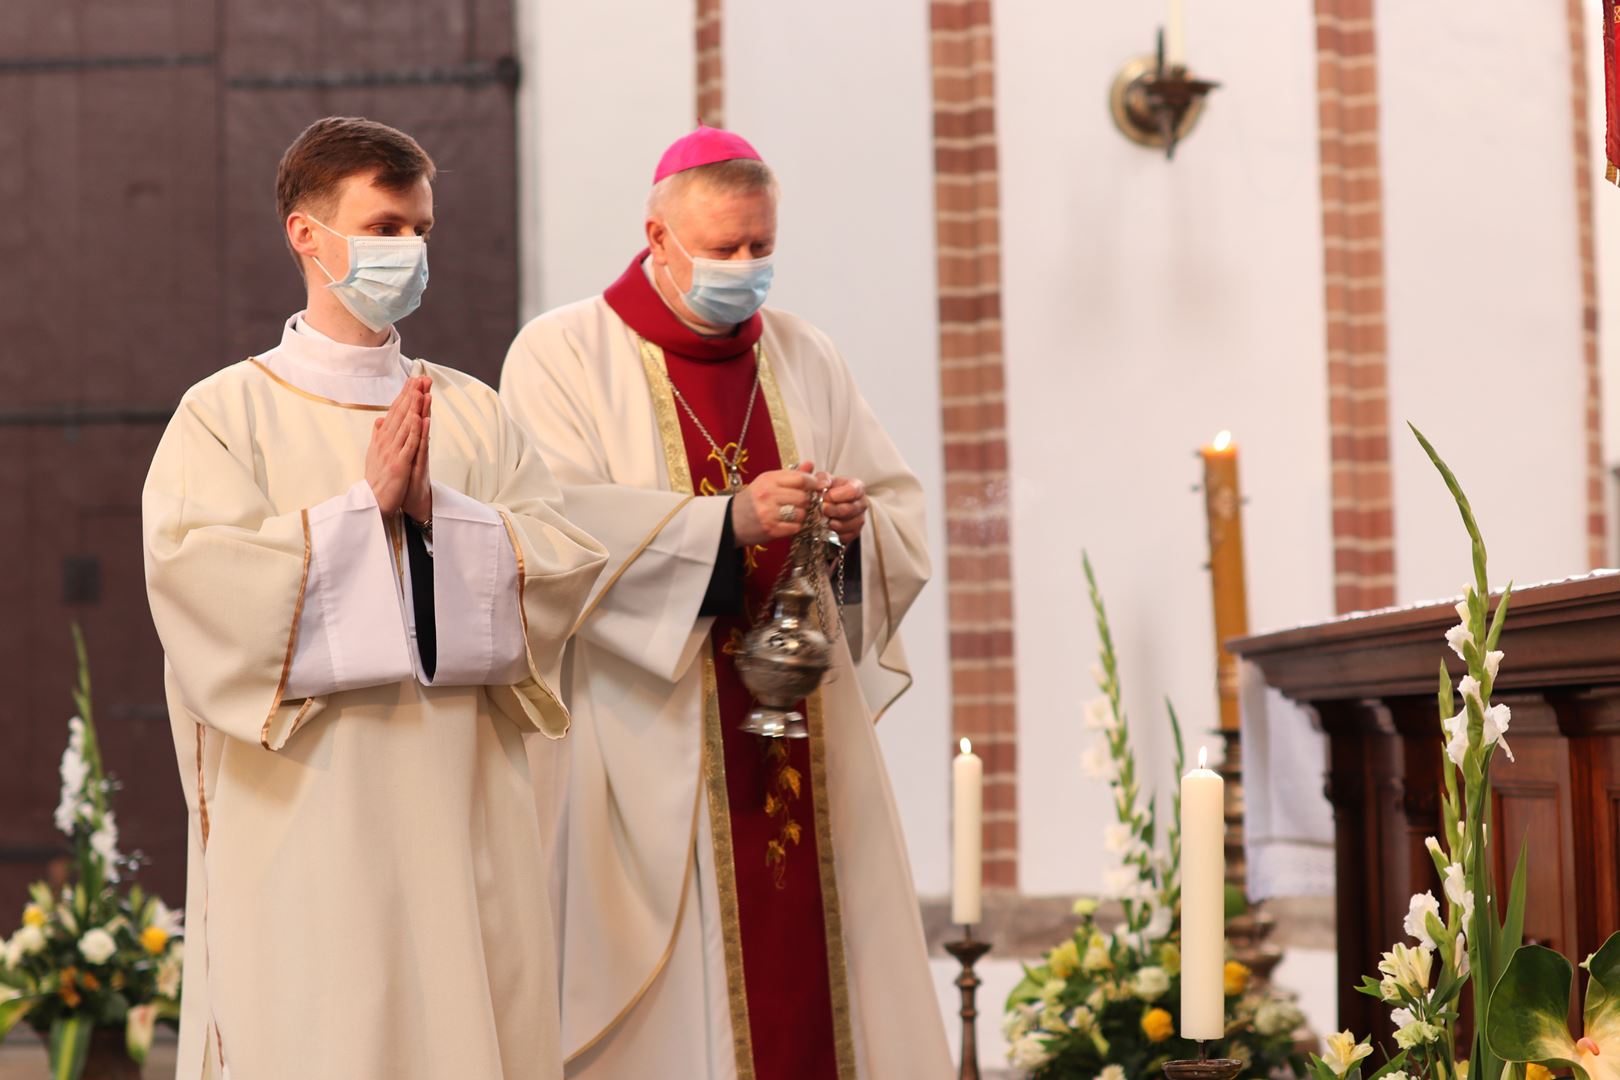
(974,422)
(1597,540)
(1353,251)
(710,77)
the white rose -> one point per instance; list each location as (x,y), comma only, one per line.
(1150,983)
(98,946)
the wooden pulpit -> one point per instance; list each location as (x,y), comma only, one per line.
(1370,682)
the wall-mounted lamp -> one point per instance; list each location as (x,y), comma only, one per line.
(1158,103)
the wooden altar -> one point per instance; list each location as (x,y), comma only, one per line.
(1370,682)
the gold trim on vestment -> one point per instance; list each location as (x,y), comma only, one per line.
(301,392)
(832,915)
(292,638)
(725,868)
(523,622)
(613,579)
(669,949)
(888,623)
(669,424)
(786,449)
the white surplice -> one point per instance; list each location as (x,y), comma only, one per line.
(366,895)
(645,982)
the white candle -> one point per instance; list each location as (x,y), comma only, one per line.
(1175,51)
(967,775)
(1203,903)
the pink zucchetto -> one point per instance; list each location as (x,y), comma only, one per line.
(705,146)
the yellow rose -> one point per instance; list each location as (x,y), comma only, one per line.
(154,939)
(34,915)
(1532,1071)
(1157,1025)
(1234,978)
(1065,960)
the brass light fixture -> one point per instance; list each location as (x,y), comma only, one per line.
(1157,104)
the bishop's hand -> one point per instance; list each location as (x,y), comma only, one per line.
(760,511)
(391,456)
(845,507)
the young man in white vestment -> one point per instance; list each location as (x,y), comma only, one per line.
(732,906)
(363,586)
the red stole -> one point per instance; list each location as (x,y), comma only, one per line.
(779,919)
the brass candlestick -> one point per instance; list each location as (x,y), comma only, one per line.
(1155,103)
(968,952)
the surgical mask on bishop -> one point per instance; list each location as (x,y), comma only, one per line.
(724,292)
(387,276)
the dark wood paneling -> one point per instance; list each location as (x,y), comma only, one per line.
(141,251)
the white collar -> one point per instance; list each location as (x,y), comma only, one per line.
(305,346)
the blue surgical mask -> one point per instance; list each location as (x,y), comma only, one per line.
(387,276)
(725,292)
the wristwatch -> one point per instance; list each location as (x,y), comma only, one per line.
(423,527)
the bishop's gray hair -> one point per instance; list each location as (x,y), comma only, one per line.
(740,175)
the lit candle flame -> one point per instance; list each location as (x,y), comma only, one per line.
(1223,440)
(1203,757)
(967,747)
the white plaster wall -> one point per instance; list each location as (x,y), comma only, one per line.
(845,118)
(1148,305)
(606,86)
(1483,290)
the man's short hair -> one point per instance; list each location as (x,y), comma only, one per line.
(330,151)
(738,176)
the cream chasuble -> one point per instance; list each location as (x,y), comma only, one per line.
(649,937)
(366,892)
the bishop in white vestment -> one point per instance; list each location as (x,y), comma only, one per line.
(731,906)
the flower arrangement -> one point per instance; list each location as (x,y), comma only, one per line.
(1469,949)
(93,956)
(1105,1005)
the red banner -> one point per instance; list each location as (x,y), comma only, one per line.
(1611,91)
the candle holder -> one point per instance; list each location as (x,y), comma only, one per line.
(1203,1068)
(1157,104)
(967,953)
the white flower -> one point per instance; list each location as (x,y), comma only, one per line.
(1461,607)
(1416,1033)
(1097,958)
(1459,955)
(1405,968)
(1458,892)
(1402,1017)
(1112,1072)
(1417,922)
(104,841)
(1150,983)
(1398,1074)
(1053,989)
(30,940)
(1099,676)
(1082,1019)
(1158,924)
(1457,745)
(1343,1052)
(98,946)
(1496,725)
(1118,838)
(1029,1052)
(1121,881)
(1096,1000)
(1434,847)
(1018,1020)
(1469,689)
(1277,1017)
(1099,714)
(1493,663)
(1458,637)
(166,920)
(169,971)
(1097,762)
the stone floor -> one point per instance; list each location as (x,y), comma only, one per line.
(22,1057)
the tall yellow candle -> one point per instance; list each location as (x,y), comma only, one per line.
(1223,505)
(1203,902)
(967,782)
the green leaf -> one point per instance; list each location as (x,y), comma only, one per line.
(1511,935)
(14,1009)
(1499,619)
(1602,1012)
(1390,1066)
(69,1045)
(1526,1018)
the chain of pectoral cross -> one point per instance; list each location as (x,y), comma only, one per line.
(732,462)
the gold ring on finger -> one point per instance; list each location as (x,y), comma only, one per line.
(787,513)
